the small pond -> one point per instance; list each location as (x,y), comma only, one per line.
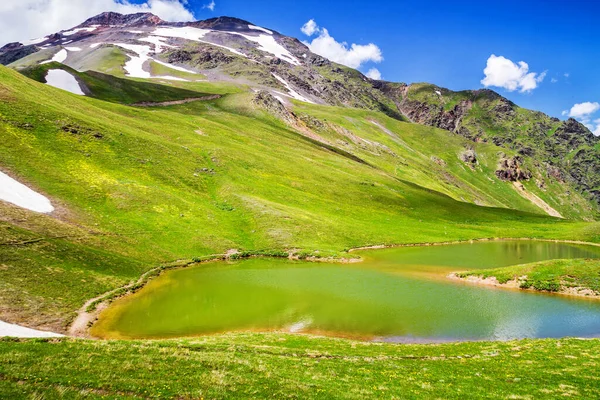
(400,294)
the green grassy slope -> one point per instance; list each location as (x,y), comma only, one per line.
(430,157)
(287,366)
(114,89)
(138,187)
(554,275)
(559,153)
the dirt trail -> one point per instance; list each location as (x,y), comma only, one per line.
(176,102)
(536,200)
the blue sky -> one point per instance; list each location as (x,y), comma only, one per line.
(449,42)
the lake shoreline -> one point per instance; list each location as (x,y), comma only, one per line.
(426,244)
(514,284)
(90,311)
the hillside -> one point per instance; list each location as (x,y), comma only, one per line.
(554,162)
(135,187)
(181,141)
(562,151)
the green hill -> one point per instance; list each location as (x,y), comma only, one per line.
(137,187)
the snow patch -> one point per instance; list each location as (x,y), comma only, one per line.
(12,330)
(93,46)
(135,65)
(269,45)
(438,92)
(292,92)
(61,56)
(63,80)
(186,32)
(20,195)
(136,32)
(68,41)
(170,78)
(73,48)
(195,34)
(35,41)
(157,42)
(258,28)
(175,67)
(74,31)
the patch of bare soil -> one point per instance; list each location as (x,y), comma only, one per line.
(536,200)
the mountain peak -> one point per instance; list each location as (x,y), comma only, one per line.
(223,23)
(115,19)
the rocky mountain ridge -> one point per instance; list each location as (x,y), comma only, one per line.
(567,150)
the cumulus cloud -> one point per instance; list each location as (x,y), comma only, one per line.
(210,6)
(374,74)
(502,72)
(22,20)
(352,56)
(583,110)
(310,28)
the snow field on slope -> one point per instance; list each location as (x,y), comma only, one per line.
(20,195)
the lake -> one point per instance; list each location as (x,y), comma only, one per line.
(400,294)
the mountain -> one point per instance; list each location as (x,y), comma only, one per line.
(232,50)
(566,150)
(185,140)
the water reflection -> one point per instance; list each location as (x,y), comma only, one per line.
(389,296)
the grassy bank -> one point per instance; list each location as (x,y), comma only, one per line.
(295,366)
(567,276)
(136,188)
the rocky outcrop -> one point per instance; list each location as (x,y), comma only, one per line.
(573,134)
(223,24)
(266,101)
(469,157)
(512,170)
(15,51)
(435,115)
(116,19)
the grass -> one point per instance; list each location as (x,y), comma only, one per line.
(553,276)
(137,188)
(114,89)
(526,132)
(157,69)
(294,366)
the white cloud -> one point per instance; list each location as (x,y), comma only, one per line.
(502,72)
(583,110)
(22,20)
(567,74)
(583,113)
(310,28)
(597,130)
(553,80)
(326,46)
(374,74)
(210,6)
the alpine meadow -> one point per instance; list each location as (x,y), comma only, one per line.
(212,209)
